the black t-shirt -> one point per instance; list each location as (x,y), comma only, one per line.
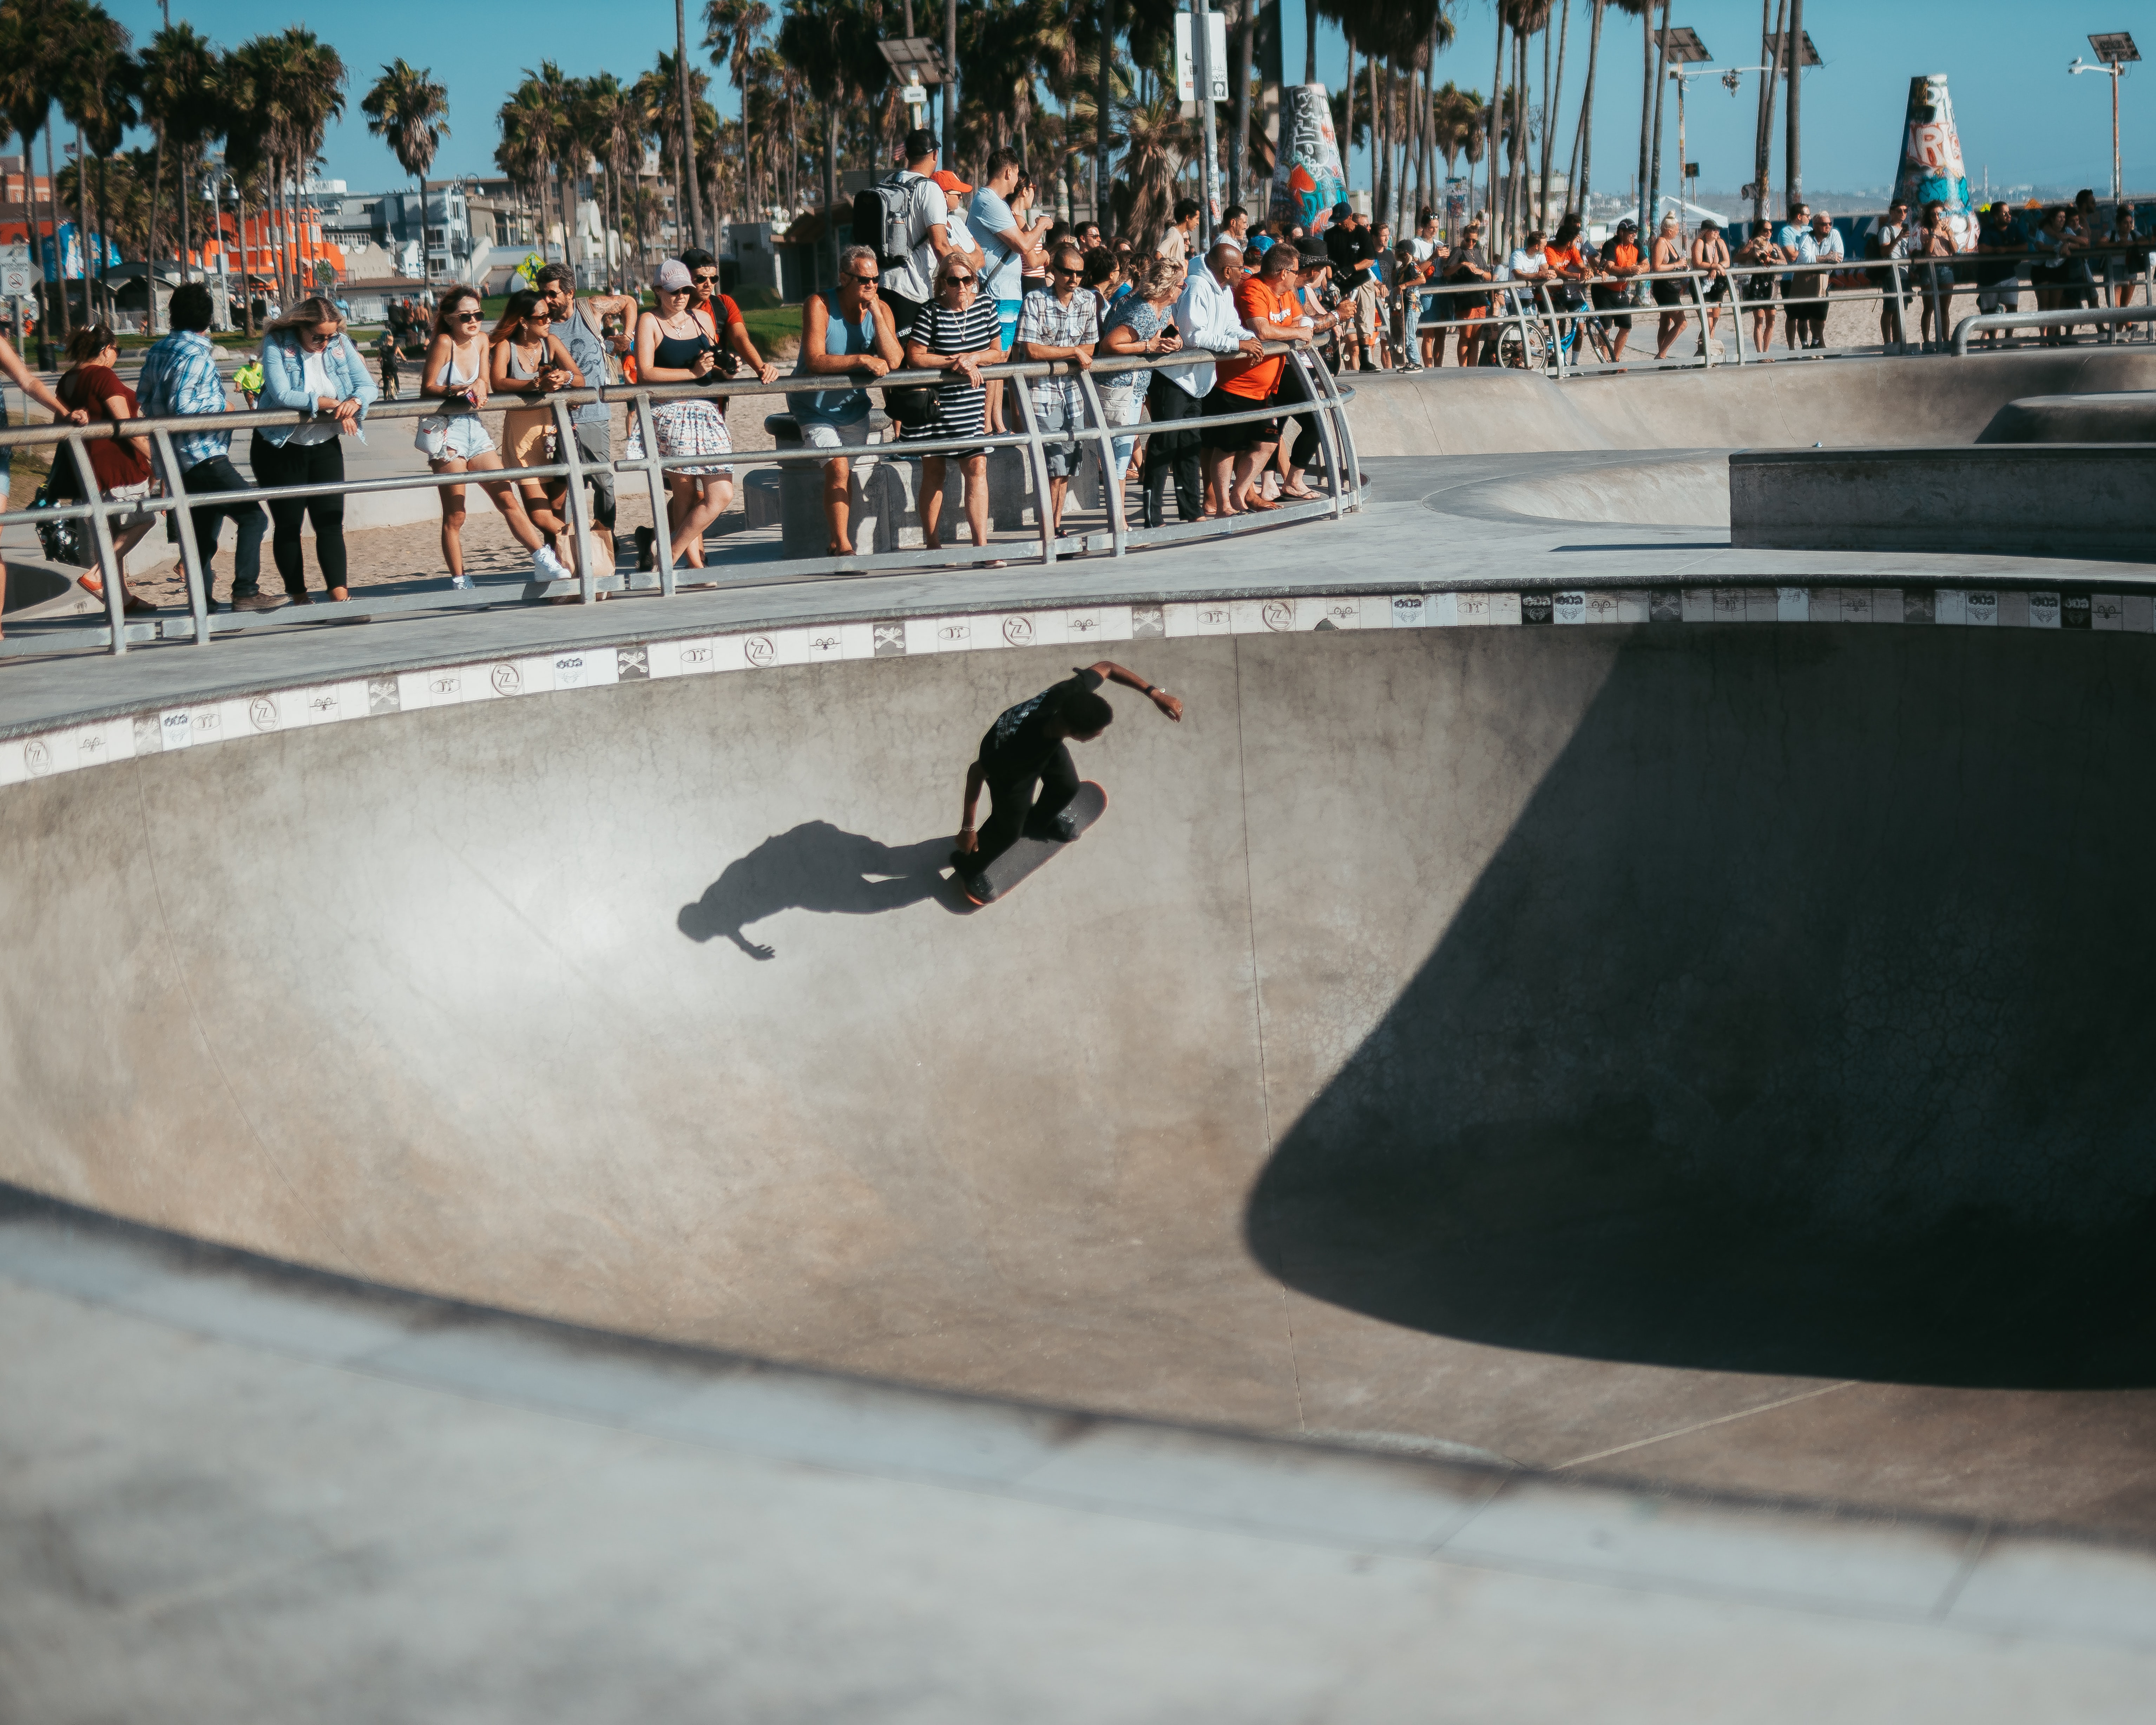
(1349,252)
(1018,745)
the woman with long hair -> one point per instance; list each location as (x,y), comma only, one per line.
(455,440)
(672,346)
(958,332)
(530,359)
(310,365)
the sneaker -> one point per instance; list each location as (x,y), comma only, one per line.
(547,566)
(647,556)
(257,602)
(460,581)
(1066,825)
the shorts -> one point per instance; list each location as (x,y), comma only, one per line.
(686,428)
(452,437)
(1668,293)
(528,438)
(1007,311)
(2006,297)
(835,433)
(1716,291)
(1122,406)
(1614,304)
(1235,439)
(1053,414)
(1369,302)
(139,492)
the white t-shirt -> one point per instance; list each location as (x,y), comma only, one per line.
(931,209)
(1525,264)
(315,373)
(1424,249)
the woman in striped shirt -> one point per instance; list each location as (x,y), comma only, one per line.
(958,332)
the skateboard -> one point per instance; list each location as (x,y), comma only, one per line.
(1033,850)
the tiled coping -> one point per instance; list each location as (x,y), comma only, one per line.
(67,748)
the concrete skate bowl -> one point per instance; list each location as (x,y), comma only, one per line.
(1749,999)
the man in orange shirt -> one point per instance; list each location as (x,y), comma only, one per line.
(1621,268)
(1269,305)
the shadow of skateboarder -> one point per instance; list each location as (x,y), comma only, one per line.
(816,866)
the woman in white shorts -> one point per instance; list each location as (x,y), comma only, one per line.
(673,347)
(456,440)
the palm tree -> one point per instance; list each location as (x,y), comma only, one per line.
(33,52)
(536,122)
(181,98)
(612,123)
(731,29)
(409,111)
(97,95)
(1155,139)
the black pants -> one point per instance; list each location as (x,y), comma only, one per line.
(304,464)
(903,311)
(1013,808)
(218,474)
(1172,452)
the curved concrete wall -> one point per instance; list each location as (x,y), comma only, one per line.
(1837,404)
(1769,999)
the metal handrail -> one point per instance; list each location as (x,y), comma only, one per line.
(1326,402)
(2058,318)
(1905,278)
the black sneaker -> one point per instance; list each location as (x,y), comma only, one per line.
(1066,825)
(647,557)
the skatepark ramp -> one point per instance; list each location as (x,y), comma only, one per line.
(1754,1000)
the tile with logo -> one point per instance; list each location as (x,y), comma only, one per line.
(1407,610)
(333,703)
(2108,612)
(583,667)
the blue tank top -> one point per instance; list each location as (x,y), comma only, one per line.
(837,407)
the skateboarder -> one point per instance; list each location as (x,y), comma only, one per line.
(1028,747)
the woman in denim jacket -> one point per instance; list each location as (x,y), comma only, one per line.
(310,365)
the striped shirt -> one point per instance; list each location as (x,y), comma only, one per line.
(180,377)
(960,411)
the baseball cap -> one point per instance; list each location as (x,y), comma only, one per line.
(952,184)
(1341,211)
(1628,224)
(673,275)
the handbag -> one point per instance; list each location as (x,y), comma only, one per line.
(65,542)
(911,403)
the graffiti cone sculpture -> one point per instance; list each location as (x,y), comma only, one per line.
(1931,171)
(1308,181)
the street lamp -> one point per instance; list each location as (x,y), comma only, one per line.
(1686,58)
(920,60)
(2115,49)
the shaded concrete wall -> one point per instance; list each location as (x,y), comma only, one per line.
(2042,500)
(1663,958)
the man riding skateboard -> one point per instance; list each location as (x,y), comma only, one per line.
(1027,748)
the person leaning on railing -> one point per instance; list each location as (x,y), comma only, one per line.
(527,357)
(1755,292)
(596,329)
(1267,303)
(1061,322)
(1469,264)
(958,334)
(846,333)
(11,363)
(1617,275)
(1211,327)
(179,378)
(310,365)
(121,465)
(1137,326)
(1999,265)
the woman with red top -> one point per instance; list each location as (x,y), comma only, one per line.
(121,464)
(32,386)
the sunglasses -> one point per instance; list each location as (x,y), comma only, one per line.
(958,281)
(463,317)
(705,280)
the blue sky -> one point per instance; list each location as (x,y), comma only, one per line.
(2019,112)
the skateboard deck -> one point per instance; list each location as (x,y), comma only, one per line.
(1033,850)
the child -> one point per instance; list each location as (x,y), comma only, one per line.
(385,349)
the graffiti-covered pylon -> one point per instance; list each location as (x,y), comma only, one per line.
(1931,171)
(1307,181)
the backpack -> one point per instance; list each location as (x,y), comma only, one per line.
(883,218)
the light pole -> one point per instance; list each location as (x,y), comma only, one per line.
(1685,65)
(2115,49)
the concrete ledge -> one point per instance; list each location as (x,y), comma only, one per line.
(2050,500)
(2119,416)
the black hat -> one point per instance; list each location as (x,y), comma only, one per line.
(1628,223)
(1316,261)
(1342,211)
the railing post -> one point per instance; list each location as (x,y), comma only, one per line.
(1338,444)
(1112,480)
(1557,327)
(580,513)
(1901,304)
(199,594)
(1519,317)
(1737,303)
(1038,451)
(100,533)
(1699,305)
(662,538)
